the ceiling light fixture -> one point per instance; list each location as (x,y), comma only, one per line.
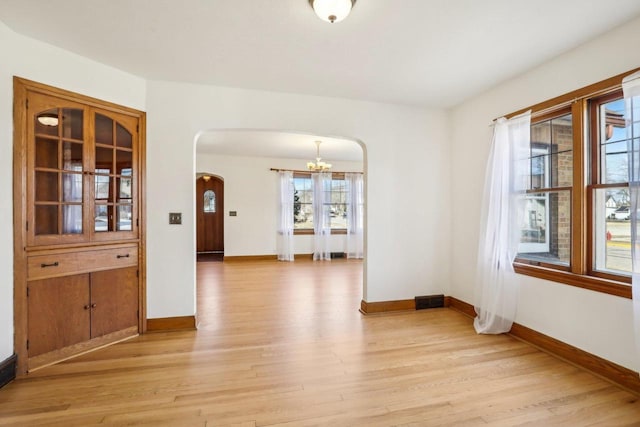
(332,10)
(318,165)
(48,119)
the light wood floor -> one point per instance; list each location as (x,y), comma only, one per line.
(284,344)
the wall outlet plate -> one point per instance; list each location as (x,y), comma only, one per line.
(233,213)
(175,217)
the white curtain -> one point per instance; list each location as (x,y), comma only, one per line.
(631,89)
(355,214)
(285,219)
(321,186)
(496,288)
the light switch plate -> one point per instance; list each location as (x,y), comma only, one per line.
(175,217)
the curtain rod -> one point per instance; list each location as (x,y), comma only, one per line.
(601,88)
(543,111)
(307,171)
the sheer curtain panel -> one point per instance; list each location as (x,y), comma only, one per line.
(506,180)
(285,219)
(321,186)
(355,215)
(631,89)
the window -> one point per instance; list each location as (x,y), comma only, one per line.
(338,204)
(209,201)
(303,203)
(575,227)
(546,226)
(610,183)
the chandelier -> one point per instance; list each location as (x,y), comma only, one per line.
(332,10)
(318,165)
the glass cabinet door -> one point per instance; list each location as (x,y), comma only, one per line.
(58,159)
(81,173)
(113,178)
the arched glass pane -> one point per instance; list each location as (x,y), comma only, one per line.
(209,201)
(103,130)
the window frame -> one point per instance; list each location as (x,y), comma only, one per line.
(301,231)
(335,176)
(595,183)
(580,272)
(549,189)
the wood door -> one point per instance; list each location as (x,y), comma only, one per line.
(210,215)
(114,300)
(59,313)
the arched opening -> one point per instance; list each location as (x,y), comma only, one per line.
(250,160)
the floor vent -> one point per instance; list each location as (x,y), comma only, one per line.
(429,301)
(337,255)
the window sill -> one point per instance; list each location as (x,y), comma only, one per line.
(597,284)
(305,231)
(302,231)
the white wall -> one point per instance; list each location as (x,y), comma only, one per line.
(407,158)
(598,323)
(251,189)
(47,64)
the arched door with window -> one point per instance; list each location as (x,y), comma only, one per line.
(210,214)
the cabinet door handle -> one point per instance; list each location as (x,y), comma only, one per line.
(122,256)
(87,307)
(53,264)
(93,305)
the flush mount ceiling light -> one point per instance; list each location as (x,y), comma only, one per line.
(318,165)
(332,10)
(48,119)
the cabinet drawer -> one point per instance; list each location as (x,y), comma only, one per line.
(63,264)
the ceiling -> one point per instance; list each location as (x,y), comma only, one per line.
(430,53)
(425,53)
(278,145)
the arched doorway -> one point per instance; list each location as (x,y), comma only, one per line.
(209,217)
(247,159)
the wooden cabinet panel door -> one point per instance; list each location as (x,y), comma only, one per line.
(114,300)
(59,313)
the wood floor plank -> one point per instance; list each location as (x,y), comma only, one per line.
(283,344)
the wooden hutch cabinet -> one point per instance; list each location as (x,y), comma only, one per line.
(79,247)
